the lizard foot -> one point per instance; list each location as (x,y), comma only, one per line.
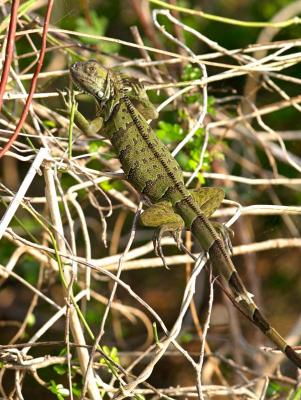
(68,99)
(171,229)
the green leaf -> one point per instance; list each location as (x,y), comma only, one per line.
(191,72)
(168,132)
(76,390)
(60,369)
(98,27)
(274,388)
(186,337)
(63,352)
(58,390)
(211,106)
(182,113)
(200,133)
(111,353)
(94,145)
(31,320)
(106,185)
(201,179)
(193,98)
(49,124)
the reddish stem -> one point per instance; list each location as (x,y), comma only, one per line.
(34,81)
(9,47)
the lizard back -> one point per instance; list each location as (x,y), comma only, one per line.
(139,151)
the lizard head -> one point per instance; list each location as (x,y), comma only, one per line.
(92,78)
(102,83)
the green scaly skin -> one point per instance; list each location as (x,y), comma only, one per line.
(151,169)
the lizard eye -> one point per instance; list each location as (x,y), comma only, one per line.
(100,94)
(91,69)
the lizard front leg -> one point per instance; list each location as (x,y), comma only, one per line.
(89,128)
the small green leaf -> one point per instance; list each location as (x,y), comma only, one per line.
(76,390)
(193,98)
(200,132)
(168,132)
(274,388)
(106,185)
(60,369)
(111,353)
(201,179)
(182,113)
(63,352)
(58,390)
(98,27)
(49,124)
(211,106)
(191,72)
(94,145)
(186,337)
(31,320)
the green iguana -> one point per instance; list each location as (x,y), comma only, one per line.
(148,165)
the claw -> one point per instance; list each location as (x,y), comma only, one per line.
(177,234)
(162,216)
(157,245)
(68,98)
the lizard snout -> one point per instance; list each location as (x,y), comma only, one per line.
(75,66)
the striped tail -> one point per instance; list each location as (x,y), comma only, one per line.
(221,261)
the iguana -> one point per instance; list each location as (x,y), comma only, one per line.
(124,108)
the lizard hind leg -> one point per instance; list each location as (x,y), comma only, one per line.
(162,216)
(209,199)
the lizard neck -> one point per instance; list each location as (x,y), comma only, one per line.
(113,96)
